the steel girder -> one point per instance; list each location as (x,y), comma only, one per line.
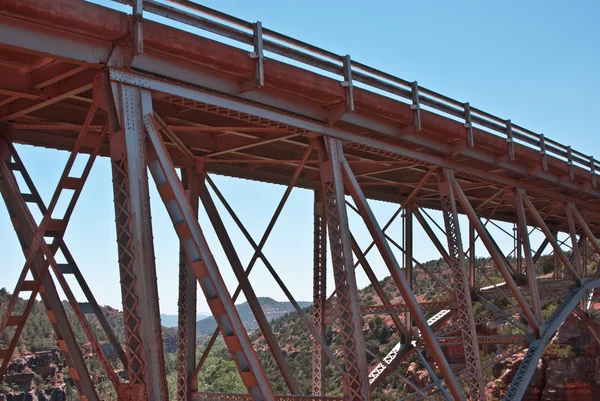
(55,227)
(186,306)
(202,261)
(319,293)
(461,286)
(244,111)
(135,242)
(26,229)
(251,298)
(355,379)
(353,186)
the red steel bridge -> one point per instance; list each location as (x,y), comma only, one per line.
(240,100)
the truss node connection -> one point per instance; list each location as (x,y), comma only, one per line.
(267,107)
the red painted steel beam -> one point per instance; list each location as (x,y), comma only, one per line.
(401,281)
(497,256)
(352,338)
(249,293)
(186,306)
(529,263)
(204,265)
(205,51)
(319,293)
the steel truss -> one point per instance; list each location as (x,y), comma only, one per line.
(138,118)
(140,143)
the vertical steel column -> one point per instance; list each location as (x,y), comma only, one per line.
(400,280)
(461,284)
(25,227)
(496,254)
(542,225)
(319,294)
(574,243)
(355,379)
(136,249)
(519,256)
(408,263)
(556,273)
(203,263)
(186,306)
(471,256)
(523,236)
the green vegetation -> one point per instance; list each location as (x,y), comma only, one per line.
(219,373)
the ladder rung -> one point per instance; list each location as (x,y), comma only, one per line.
(55,227)
(233,343)
(249,378)
(86,307)
(15,320)
(183,230)
(65,268)
(30,198)
(165,191)
(72,183)
(29,285)
(216,306)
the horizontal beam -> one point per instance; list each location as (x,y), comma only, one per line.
(288,121)
(399,308)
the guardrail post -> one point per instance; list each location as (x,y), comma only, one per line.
(543,153)
(570,163)
(593,171)
(347,83)
(138,32)
(469,126)
(509,141)
(259,61)
(416,106)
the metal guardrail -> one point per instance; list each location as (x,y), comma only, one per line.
(263,39)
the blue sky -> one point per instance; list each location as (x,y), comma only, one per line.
(534,62)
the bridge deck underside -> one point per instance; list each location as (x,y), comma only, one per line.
(54,69)
(40,92)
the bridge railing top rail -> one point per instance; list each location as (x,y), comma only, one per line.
(290,49)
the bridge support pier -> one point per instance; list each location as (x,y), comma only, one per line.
(461,286)
(353,343)
(141,315)
(319,293)
(186,306)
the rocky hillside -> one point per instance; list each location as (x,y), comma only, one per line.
(37,365)
(272,309)
(569,370)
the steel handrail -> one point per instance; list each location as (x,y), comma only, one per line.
(227,26)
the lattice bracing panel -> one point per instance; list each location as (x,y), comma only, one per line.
(462,293)
(126,257)
(343,273)
(319,296)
